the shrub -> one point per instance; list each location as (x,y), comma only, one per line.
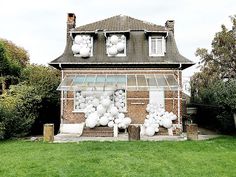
(19,109)
(219,103)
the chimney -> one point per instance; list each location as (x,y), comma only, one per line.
(71,22)
(170,25)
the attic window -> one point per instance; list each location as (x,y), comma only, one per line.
(157,46)
(82,46)
(116,45)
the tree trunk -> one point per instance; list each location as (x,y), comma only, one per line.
(134,132)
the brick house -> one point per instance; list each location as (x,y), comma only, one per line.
(121,53)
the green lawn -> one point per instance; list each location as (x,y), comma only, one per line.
(209,158)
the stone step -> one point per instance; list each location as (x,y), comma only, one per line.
(98,132)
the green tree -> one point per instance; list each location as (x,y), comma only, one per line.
(45,80)
(209,86)
(12,60)
(220,62)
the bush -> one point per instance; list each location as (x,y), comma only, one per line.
(19,109)
(45,80)
(217,105)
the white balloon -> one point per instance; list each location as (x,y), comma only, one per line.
(75,48)
(117,121)
(114,39)
(91,123)
(112,50)
(101,110)
(123,37)
(103,120)
(95,102)
(150,131)
(121,115)
(120,46)
(78,39)
(82,105)
(167,123)
(127,121)
(85,52)
(114,111)
(111,124)
(106,102)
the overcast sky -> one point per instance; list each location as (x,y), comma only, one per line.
(40,26)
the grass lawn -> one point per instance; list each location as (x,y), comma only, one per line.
(216,157)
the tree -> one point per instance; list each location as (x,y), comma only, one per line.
(12,60)
(215,84)
(220,62)
(45,80)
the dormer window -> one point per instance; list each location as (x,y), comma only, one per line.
(157,46)
(82,46)
(116,45)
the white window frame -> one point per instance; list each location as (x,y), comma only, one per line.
(163,46)
(119,54)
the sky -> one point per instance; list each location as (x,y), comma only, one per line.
(40,26)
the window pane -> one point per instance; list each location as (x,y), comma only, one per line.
(159,47)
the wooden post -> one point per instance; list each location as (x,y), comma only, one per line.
(134,132)
(192,132)
(48,133)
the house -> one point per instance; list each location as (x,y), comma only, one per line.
(120,55)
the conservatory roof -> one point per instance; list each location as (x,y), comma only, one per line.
(129,82)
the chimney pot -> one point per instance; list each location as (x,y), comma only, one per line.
(170,25)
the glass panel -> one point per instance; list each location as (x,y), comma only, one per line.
(121,78)
(100,81)
(78,80)
(151,80)
(131,80)
(141,80)
(159,46)
(66,83)
(111,79)
(110,82)
(90,79)
(161,80)
(171,80)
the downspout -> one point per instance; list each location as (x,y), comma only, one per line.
(62,95)
(180,66)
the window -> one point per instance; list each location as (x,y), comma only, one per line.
(84,100)
(116,45)
(82,46)
(157,46)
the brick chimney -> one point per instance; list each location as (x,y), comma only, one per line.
(71,22)
(170,25)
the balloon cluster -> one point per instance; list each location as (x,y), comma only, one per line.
(100,110)
(119,100)
(116,44)
(82,45)
(157,117)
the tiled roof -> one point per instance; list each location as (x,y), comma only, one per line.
(120,23)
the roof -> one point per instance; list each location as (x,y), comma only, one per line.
(137,55)
(120,23)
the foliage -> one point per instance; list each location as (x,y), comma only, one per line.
(19,110)
(45,80)
(219,65)
(33,102)
(12,58)
(140,158)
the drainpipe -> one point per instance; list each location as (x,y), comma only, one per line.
(62,96)
(180,66)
